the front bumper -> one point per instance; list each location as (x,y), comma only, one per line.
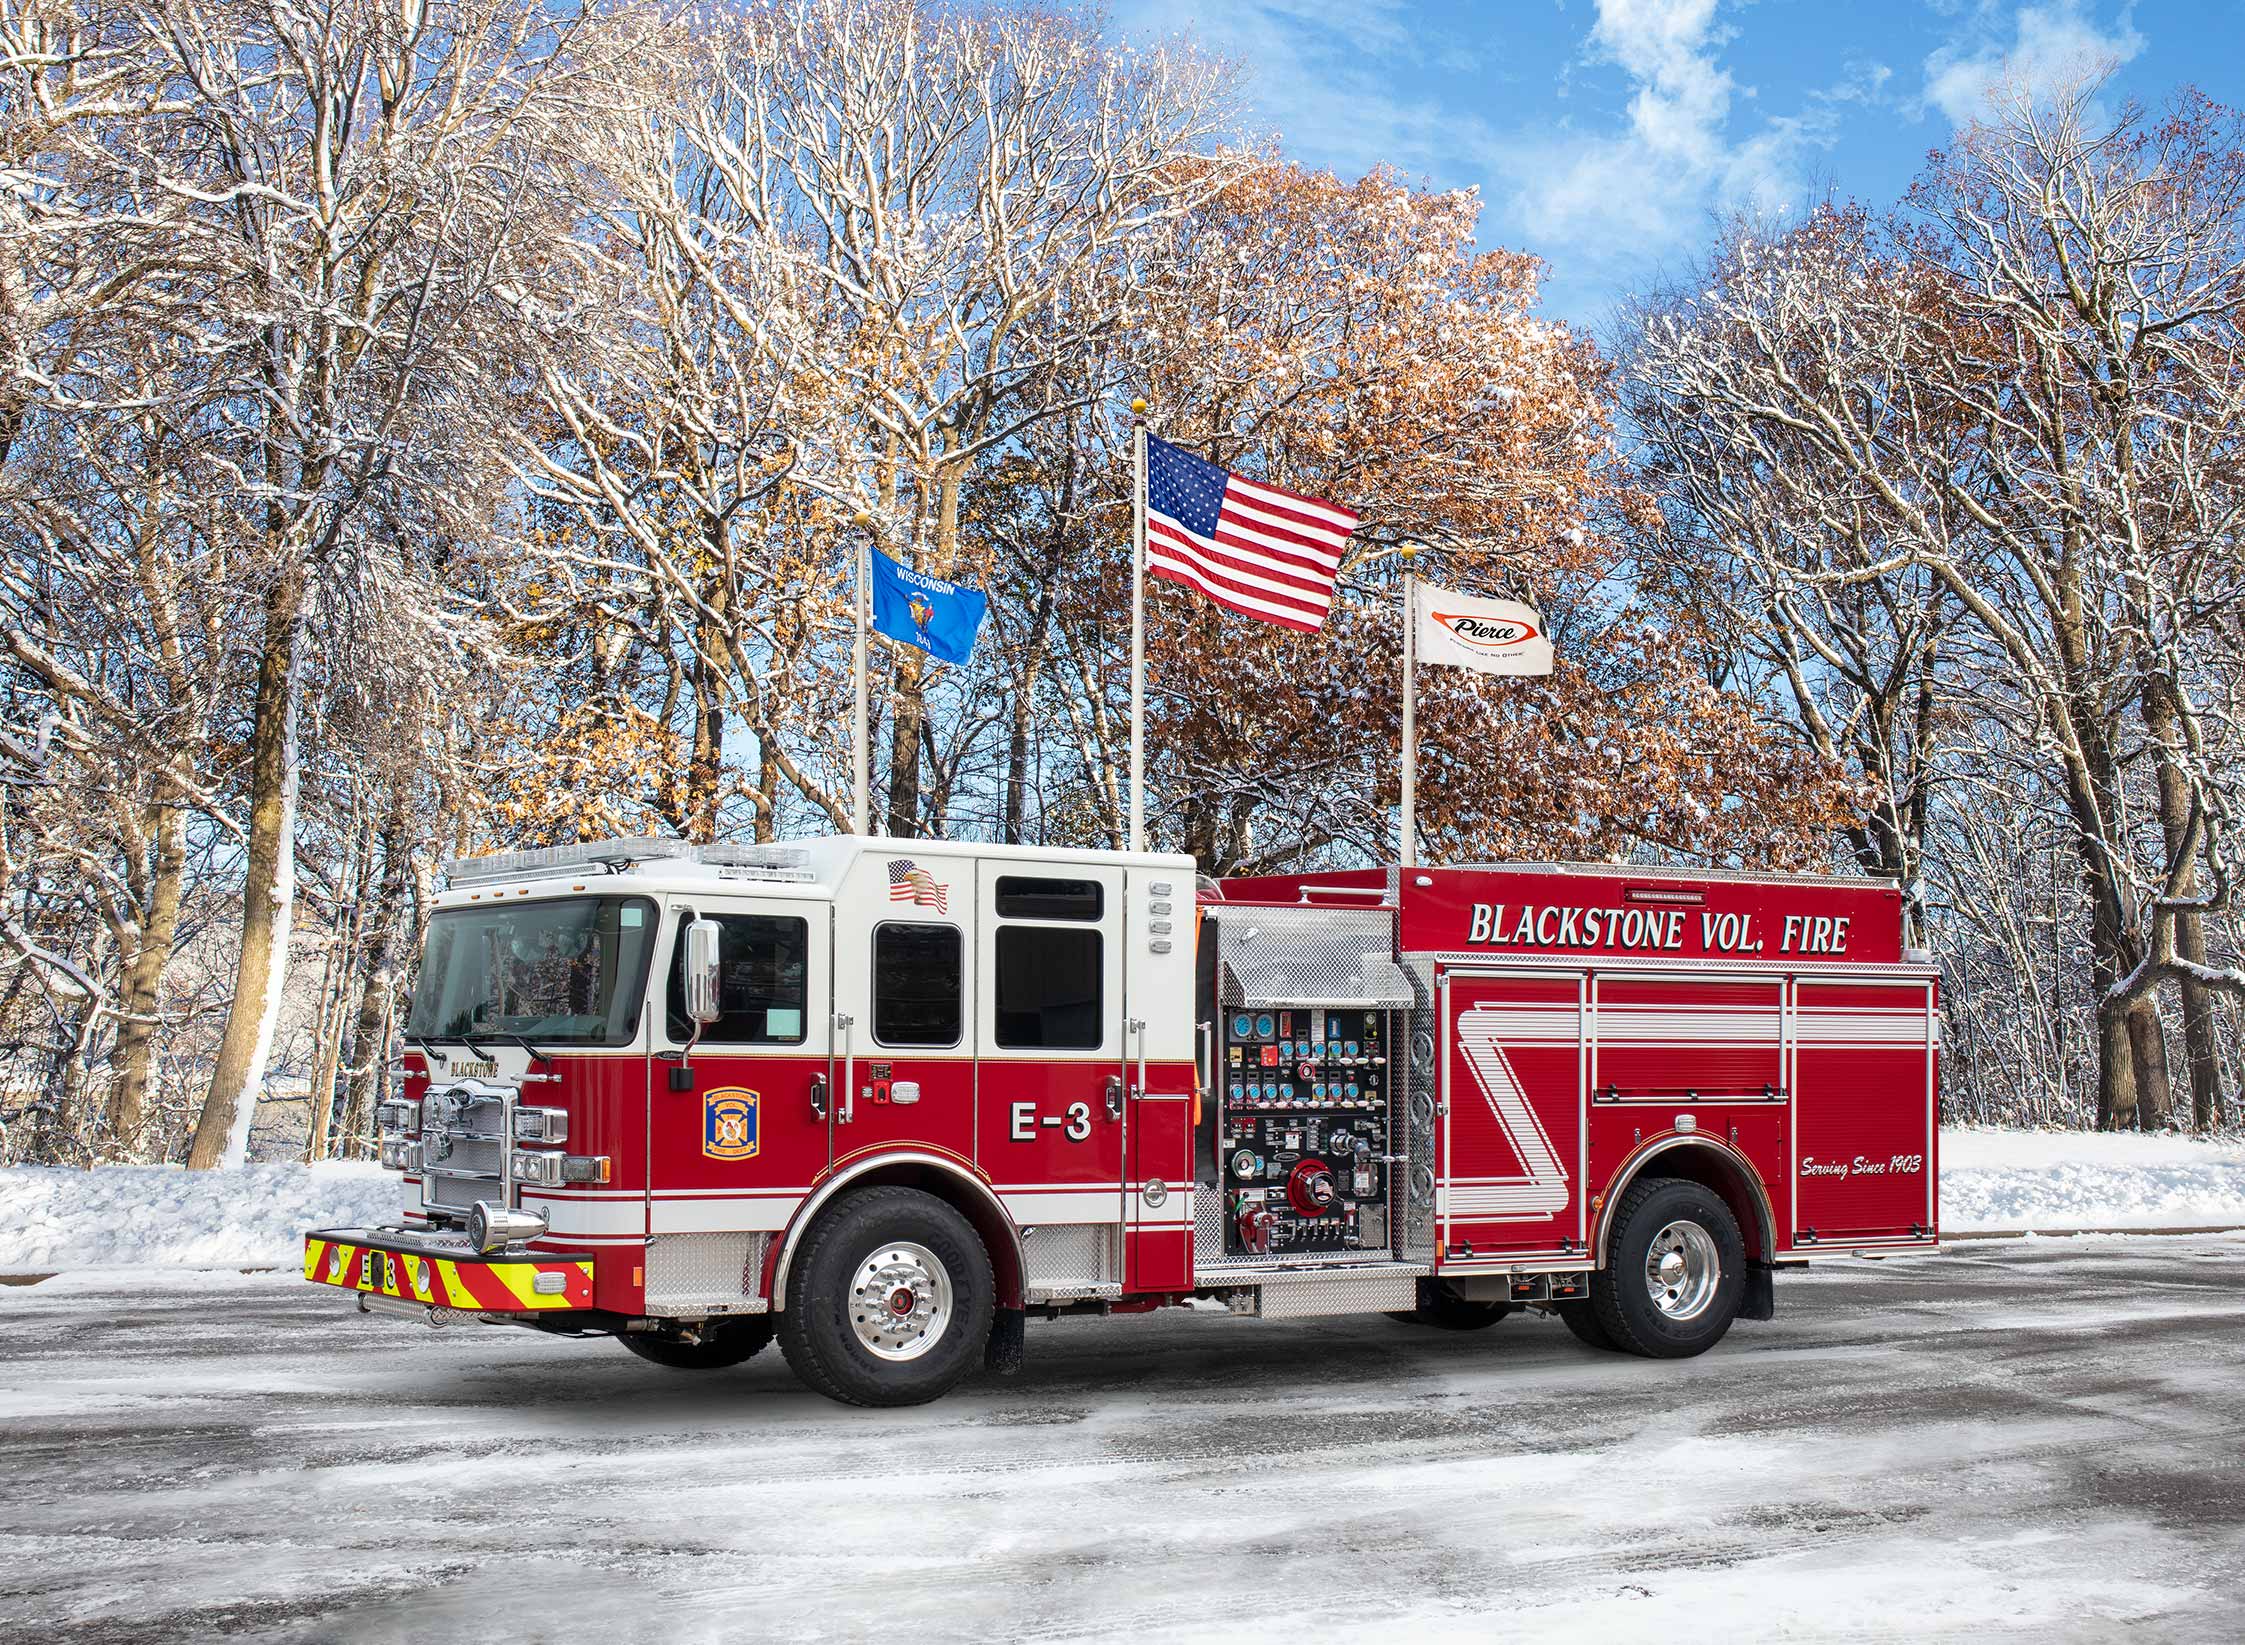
(445,1272)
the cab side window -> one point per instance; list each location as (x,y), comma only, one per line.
(1048,988)
(763,964)
(917,986)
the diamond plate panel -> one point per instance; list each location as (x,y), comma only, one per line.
(1309,956)
(705,1273)
(1308,1295)
(1072,1260)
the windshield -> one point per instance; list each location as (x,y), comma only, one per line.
(565,972)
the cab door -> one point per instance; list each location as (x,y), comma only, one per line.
(903,1007)
(1050,1042)
(740,1121)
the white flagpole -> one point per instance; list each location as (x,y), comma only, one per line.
(1410,552)
(1138,625)
(859,803)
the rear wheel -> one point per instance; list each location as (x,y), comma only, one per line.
(889,1300)
(1675,1271)
(732,1342)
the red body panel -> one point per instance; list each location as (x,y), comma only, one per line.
(1772,1023)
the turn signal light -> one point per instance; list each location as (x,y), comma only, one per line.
(398,1154)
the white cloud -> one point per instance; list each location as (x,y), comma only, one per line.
(2050,45)
(1622,194)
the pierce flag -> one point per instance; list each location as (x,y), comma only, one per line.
(1493,636)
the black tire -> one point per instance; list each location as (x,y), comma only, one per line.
(831,1286)
(733,1343)
(1621,1293)
(1445,1310)
(1582,1319)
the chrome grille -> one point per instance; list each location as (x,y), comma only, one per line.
(464,1146)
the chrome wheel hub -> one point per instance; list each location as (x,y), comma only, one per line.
(900,1300)
(1682,1270)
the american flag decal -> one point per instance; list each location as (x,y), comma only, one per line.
(909,882)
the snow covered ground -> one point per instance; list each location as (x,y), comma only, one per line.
(2023,1442)
(2076,1179)
(132,1216)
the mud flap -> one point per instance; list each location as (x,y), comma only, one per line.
(1009,1334)
(1760,1301)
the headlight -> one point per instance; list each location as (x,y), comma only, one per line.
(402,1117)
(541,1125)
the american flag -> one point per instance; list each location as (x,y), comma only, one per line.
(1249,547)
(908,882)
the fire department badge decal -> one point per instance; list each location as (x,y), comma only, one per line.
(729,1123)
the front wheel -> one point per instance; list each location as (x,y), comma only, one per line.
(731,1343)
(1675,1271)
(889,1300)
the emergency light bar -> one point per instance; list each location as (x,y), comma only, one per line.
(768,862)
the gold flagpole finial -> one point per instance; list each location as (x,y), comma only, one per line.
(1409,551)
(1138,408)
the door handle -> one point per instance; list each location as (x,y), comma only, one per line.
(842,1021)
(1114,1096)
(818,1096)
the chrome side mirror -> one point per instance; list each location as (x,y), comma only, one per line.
(702,977)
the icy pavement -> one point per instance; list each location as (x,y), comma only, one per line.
(2033,1441)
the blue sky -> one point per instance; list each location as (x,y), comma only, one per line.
(1605,135)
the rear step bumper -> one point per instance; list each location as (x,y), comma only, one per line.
(436,1272)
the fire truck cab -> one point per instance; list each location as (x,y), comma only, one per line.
(888,1099)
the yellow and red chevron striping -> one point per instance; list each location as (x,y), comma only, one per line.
(443,1282)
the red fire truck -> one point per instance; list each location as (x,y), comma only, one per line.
(887,1099)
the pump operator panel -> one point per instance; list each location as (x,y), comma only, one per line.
(1303,1131)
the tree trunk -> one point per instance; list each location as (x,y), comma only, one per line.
(268,888)
(2147,1044)
(135,1054)
(2199,1043)
(377,978)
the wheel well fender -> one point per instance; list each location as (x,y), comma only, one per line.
(931,1175)
(1714,1165)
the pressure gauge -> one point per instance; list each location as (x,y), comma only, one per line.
(1265,1026)
(1243,1026)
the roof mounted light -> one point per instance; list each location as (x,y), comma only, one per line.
(769,862)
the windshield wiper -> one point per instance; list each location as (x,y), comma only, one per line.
(474,1050)
(536,1055)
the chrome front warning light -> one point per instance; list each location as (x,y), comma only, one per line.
(541,1125)
(541,1170)
(492,1227)
(401,1154)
